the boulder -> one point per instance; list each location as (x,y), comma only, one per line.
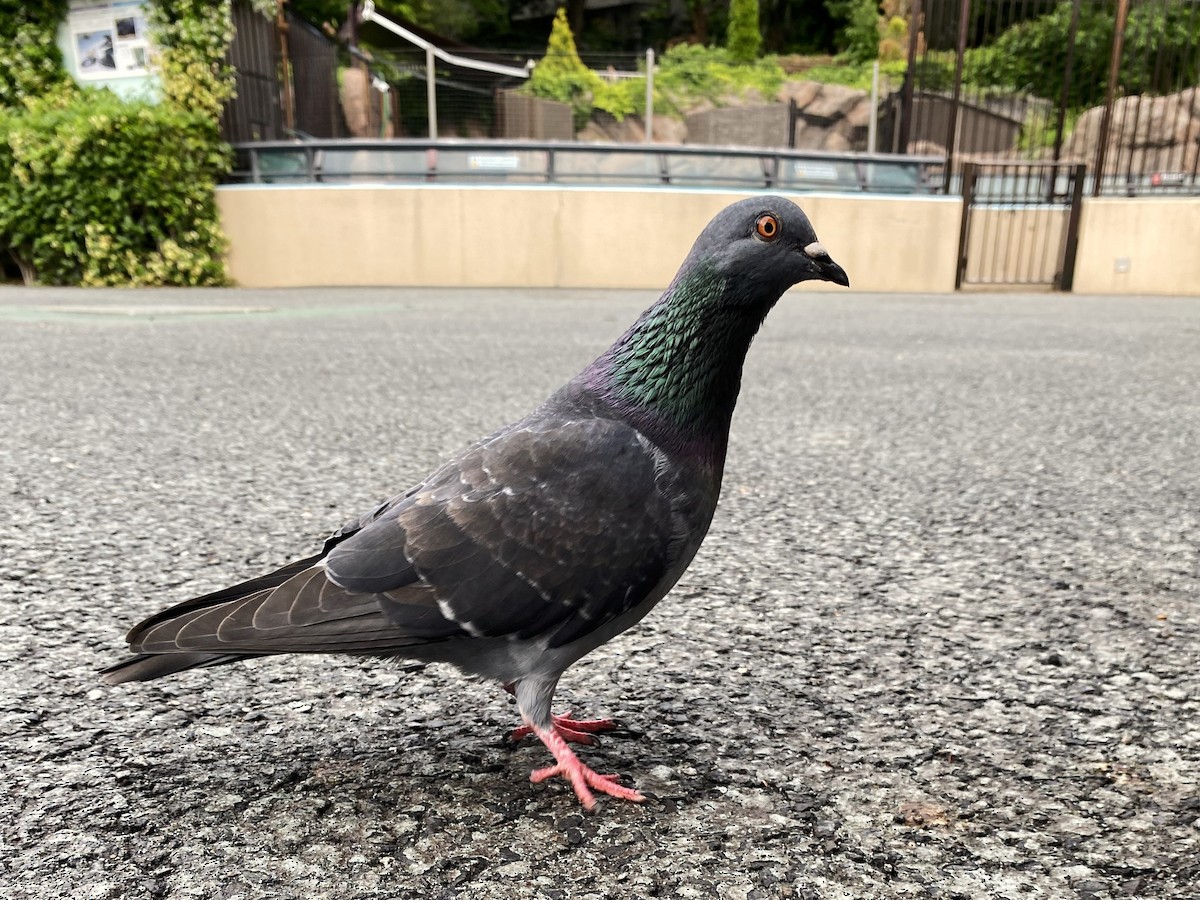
(1146,134)
(832,103)
(764,125)
(803,92)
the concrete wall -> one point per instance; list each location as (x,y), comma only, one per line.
(434,235)
(1156,241)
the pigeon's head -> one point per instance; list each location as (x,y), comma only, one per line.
(764,245)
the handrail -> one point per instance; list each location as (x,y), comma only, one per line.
(309,161)
(368,14)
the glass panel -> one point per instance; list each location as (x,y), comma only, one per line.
(819,174)
(371,165)
(604,167)
(486,164)
(735,171)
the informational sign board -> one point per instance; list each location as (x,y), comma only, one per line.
(109,39)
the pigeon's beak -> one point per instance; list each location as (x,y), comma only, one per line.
(828,269)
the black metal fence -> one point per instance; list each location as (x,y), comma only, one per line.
(286,79)
(255,113)
(1111,84)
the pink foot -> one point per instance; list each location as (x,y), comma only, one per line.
(583,780)
(578,731)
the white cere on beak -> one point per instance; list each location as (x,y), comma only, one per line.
(816,251)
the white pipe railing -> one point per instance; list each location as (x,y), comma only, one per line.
(368,14)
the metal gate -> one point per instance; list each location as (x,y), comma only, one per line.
(1020,224)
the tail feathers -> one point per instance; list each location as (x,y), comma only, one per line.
(149,666)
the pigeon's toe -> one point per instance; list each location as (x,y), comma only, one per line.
(583,779)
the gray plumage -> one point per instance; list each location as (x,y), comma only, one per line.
(549,537)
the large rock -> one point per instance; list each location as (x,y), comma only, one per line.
(830,117)
(604,128)
(832,103)
(764,125)
(803,92)
(1146,134)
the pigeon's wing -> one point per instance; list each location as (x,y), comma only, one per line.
(552,526)
(541,529)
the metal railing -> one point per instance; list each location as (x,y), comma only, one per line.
(361,161)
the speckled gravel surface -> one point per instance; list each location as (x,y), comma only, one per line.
(942,641)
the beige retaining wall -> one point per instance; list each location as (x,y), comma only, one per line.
(1155,240)
(434,235)
(447,236)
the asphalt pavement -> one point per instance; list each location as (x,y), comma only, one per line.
(943,639)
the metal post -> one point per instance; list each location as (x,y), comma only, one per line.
(964,14)
(1066,87)
(649,95)
(431,93)
(873,125)
(285,57)
(1114,72)
(910,76)
(1066,278)
(964,228)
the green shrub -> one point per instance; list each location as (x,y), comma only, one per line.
(561,75)
(743,37)
(691,73)
(858,75)
(95,190)
(621,98)
(101,191)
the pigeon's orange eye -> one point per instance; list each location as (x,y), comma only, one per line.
(767,227)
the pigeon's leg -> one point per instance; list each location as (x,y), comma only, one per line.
(577,731)
(533,699)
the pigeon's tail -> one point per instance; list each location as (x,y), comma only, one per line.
(149,666)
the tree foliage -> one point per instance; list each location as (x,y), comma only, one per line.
(192,37)
(858,38)
(30,62)
(1031,56)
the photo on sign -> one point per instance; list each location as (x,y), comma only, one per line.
(130,28)
(95,50)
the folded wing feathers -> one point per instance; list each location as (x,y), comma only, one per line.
(306,613)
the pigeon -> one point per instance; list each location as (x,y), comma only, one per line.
(548,538)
